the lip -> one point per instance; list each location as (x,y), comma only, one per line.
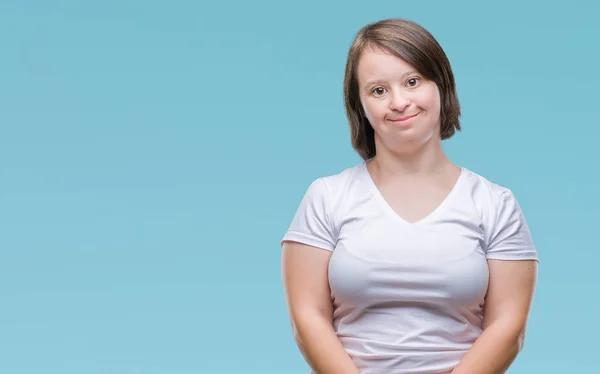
(405,120)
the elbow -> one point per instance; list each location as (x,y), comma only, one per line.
(298,323)
(517,333)
(296,333)
(511,333)
(520,341)
(300,342)
(515,338)
(306,322)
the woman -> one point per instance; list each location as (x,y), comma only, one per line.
(406,262)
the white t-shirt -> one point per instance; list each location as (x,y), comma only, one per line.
(408,297)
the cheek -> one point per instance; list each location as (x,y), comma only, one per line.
(436,104)
(436,100)
(373,112)
(431,102)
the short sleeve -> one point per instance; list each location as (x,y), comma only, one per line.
(510,238)
(312,224)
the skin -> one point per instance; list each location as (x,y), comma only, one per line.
(414,176)
(411,169)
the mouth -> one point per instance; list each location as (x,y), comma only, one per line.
(405,119)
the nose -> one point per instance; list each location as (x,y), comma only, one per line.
(398,102)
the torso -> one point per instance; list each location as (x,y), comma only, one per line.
(408,275)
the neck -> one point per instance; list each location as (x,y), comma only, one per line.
(428,160)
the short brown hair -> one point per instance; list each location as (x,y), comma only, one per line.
(415,45)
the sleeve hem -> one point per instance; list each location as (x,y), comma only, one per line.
(305,239)
(505,257)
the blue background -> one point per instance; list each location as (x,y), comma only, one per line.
(152,154)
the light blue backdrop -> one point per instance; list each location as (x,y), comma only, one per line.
(152,155)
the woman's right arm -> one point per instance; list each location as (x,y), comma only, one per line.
(304,270)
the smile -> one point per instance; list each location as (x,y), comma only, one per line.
(405,120)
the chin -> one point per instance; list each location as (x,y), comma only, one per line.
(410,141)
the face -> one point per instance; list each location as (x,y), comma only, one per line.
(401,105)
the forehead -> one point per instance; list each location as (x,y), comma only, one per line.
(375,63)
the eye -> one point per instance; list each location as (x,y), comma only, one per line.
(413,82)
(378,91)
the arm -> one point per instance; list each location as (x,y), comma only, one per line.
(309,303)
(506,309)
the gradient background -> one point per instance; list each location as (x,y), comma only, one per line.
(152,155)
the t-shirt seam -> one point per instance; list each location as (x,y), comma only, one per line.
(329,212)
(496,219)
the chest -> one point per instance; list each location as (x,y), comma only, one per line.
(383,260)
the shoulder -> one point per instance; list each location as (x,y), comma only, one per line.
(345,188)
(315,222)
(344,178)
(506,229)
(337,187)
(485,193)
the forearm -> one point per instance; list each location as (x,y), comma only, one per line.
(321,347)
(492,353)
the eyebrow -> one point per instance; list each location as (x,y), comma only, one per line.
(371,82)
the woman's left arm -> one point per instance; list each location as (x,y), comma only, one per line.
(505,313)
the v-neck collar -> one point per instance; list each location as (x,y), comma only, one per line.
(366,175)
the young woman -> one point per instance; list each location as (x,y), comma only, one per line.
(406,262)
